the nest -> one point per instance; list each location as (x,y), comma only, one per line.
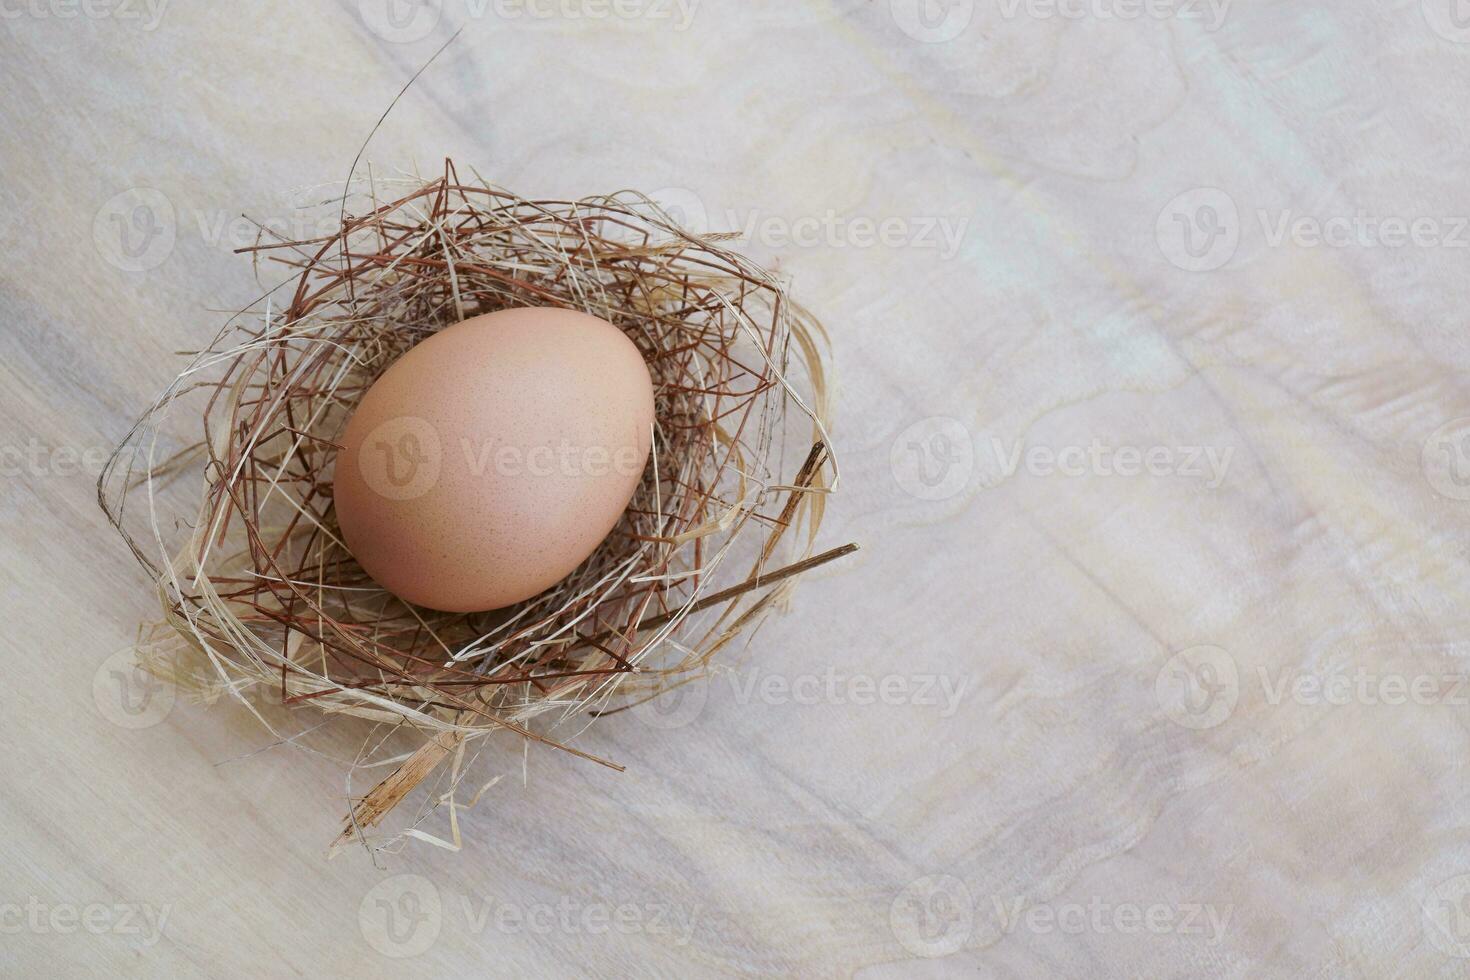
(262,600)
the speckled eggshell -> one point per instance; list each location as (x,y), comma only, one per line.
(491,459)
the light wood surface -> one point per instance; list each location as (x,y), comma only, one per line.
(1055,720)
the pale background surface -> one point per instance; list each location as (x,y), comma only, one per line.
(771,834)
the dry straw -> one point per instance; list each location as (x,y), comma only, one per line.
(261,599)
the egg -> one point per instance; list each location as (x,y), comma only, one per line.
(491,459)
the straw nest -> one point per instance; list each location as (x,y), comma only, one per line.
(263,602)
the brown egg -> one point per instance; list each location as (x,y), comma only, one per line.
(490,460)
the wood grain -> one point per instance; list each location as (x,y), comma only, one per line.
(1160,495)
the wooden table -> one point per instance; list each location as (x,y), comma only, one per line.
(1149,338)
